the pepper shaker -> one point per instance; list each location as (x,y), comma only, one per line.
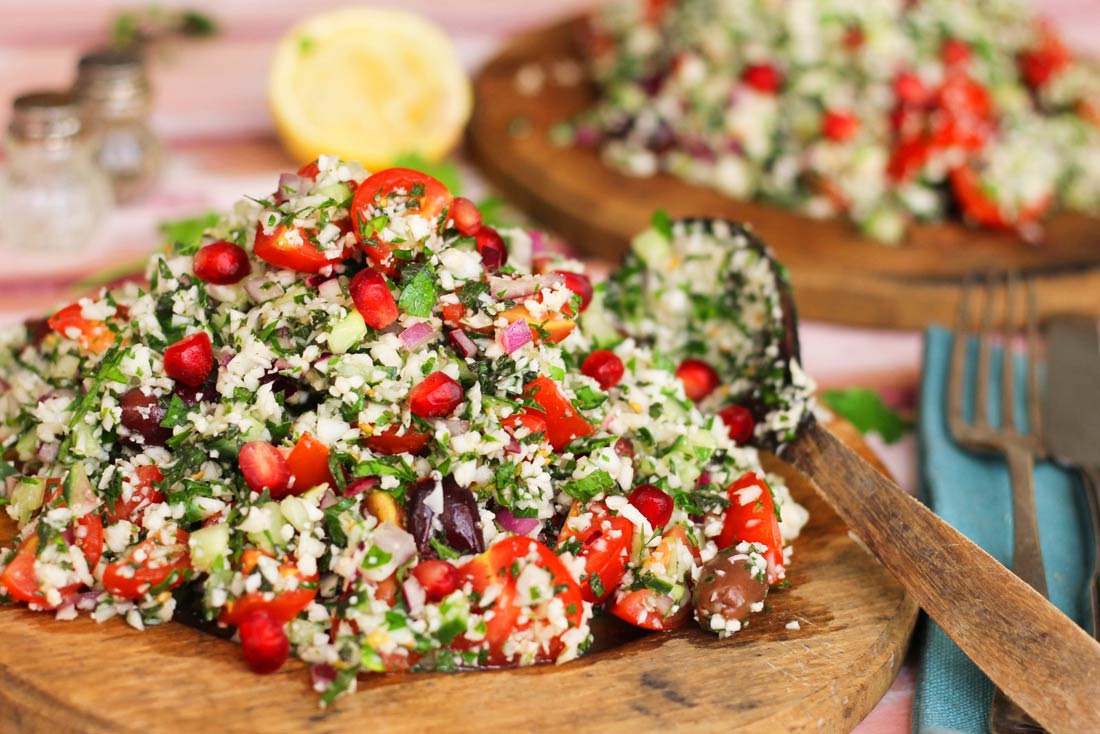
(52,196)
(113,89)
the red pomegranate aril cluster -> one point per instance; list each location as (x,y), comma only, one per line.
(372,298)
(654,503)
(437,396)
(466,216)
(764,78)
(264,641)
(603,366)
(699,378)
(221,263)
(579,284)
(439,578)
(190,360)
(264,467)
(491,247)
(740,422)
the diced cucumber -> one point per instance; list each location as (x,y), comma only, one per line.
(348,332)
(78,491)
(296,511)
(208,544)
(26,446)
(264,526)
(26,497)
(66,366)
(652,247)
(84,441)
(338,192)
(596,322)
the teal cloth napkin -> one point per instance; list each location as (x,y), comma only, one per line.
(972,493)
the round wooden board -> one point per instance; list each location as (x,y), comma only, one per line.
(837,275)
(855,622)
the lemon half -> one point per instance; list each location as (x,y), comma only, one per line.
(368,84)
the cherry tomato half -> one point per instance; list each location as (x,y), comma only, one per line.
(277,249)
(145,493)
(651,609)
(563,422)
(308,464)
(20,580)
(94,336)
(154,562)
(283,605)
(604,546)
(751,518)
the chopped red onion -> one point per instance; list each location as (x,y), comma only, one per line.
(417,335)
(290,184)
(465,345)
(321,676)
(510,289)
(415,596)
(330,289)
(513,524)
(514,447)
(457,427)
(359,485)
(48,451)
(261,290)
(514,335)
(391,539)
(538,242)
(225,356)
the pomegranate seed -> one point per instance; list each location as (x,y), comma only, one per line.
(699,378)
(579,284)
(739,421)
(263,641)
(264,467)
(371,294)
(439,578)
(654,503)
(438,395)
(604,367)
(954,52)
(840,126)
(763,78)
(624,447)
(190,360)
(909,89)
(466,217)
(221,263)
(494,253)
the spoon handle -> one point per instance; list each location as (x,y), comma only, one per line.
(1034,653)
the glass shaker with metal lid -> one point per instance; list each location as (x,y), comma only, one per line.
(52,196)
(113,88)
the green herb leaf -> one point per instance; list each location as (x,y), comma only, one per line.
(419,297)
(588,487)
(445,171)
(661,222)
(864,408)
(185,235)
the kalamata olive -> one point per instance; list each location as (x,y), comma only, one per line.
(207,392)
(37,330)
(460,519)
(727,588)
(280,383)
(142,415)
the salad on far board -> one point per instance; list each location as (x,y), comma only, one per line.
(363,427)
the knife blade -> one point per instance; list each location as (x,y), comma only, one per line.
(1072,419)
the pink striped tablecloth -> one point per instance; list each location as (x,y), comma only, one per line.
(212,111)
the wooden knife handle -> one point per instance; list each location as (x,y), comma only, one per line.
(1034,653)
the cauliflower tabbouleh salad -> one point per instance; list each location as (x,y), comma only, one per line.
(883,112)
(357,424)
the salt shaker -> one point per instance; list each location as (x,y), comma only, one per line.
(113,89)
(52,196)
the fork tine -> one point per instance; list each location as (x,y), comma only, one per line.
(1034,399)
(981,397)
(956,376)
(1008,365)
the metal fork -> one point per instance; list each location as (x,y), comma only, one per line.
(1019,448)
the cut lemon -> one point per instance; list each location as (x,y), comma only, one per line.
(368,85)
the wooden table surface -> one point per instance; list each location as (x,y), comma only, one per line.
(211,110)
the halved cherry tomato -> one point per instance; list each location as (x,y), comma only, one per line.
(283,605)
(1049,56)
(20,581)
(151,563)
(453,312)
(563,422)
(751,518)
(551,329)
(308,464)
(533,421)
(500,566)
(981,207)
(431,197)
(142,495)
(651,609)
(389,443)
(309,170)
(94,336)
(604,546)
(89,538)
(276,249)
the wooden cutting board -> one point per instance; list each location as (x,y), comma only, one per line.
(837,275)
(855,623)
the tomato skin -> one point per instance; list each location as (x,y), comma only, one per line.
(466,217)
(89,538)
(95,336)
(19,579)
(131,578)
(637,608)
(555,329)
(605,548)
(453,312)
(439,578)
(284,606)
(276,250)
(981,208)
(430,204)
(839,126)
(563,422)
(755,522)
(308,465)
(580,284)
(263,466)
(955,52)
(494,566)
(143,495)
(532,420)
(764,78)
(372,297)
(1040,64)
(310,170)
(389,443)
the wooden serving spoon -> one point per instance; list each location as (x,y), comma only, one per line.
(1039,657)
